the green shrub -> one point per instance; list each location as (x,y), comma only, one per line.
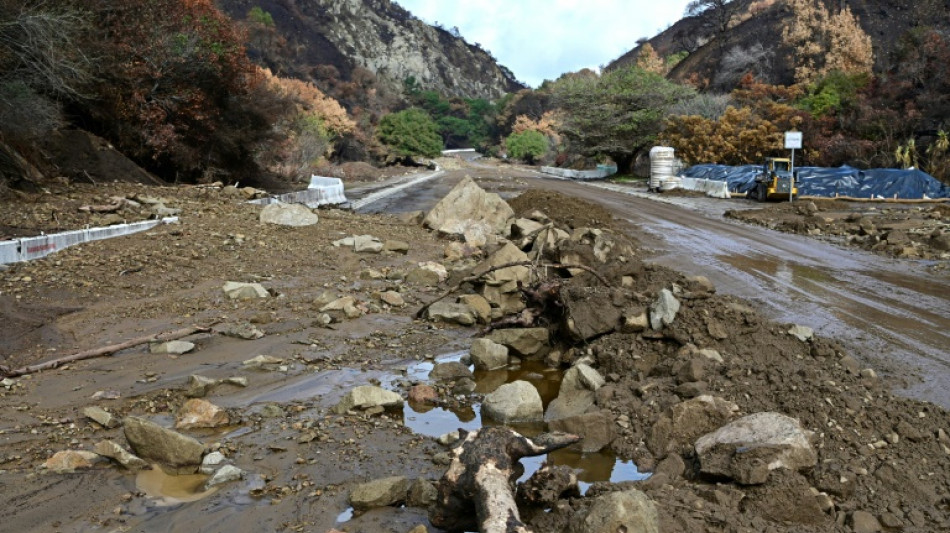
(258,15)
(528,145)
(411,132)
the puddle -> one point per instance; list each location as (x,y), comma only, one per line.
(171,490)
(436,421)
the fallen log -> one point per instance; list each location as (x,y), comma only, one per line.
(478,490)
(105,350)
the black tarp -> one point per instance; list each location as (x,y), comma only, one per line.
(843,181)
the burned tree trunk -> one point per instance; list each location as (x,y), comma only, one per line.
(478,490)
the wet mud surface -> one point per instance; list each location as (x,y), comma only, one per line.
(302,460)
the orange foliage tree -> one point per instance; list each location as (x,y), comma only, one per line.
(822,42)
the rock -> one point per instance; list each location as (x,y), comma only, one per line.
(292,215)
(117,453)
(581,377)
(448,438)
(225,474)
(198,413)
(398,247)
(392,298)
(423,394)
(700,284)
(509,253)
(663,311)
(634,321)
(488,355)
(596,428)
(467,203)
(522,341)
(749,448)
(449,372)
(453,313)
(101,416)
(199,386)
(630,511)
(464,386)
(211,462)
(429,273)
(589,313)
(367,397)
(367,244)
(379,493)
(864,522)
(263,362)
(941,242)
(241,331)
(686,421)
(151,441)
(422,493)
(68,461)
(479,305)
(518,401)
(172,347)
(802,333)
(244,291)
(711,355)
(570,403)
(342,308)
(523,227)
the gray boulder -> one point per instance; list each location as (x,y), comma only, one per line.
(581,377)
(749,448)
(379,493)
(225,474)
(236,290)
(101,416)
(664,309)
(117,453)
(151,441)
(630,511)
(449,372)
(518,401)
(570,403)
(466,204)
(524,342)
(452,313)
(292,215)
(488,355)
(172,347)
(597,429)
(366,397)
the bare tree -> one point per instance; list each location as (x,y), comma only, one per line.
(715,15)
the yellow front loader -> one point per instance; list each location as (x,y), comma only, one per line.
(775,181)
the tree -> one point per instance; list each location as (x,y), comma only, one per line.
(528,145)
(716,15)
(410,133)
(650,61)
(821,42)
(617,114)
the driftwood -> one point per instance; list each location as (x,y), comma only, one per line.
(478,490)
(473,278)
(105,350)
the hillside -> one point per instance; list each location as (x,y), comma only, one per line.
(331,40)
(752,40)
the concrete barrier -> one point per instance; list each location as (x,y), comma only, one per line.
(322,191)
(29,248)
(598,174)
(713,188)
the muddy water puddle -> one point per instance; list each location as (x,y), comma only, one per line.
(167,490)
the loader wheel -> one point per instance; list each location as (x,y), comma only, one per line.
(760,192)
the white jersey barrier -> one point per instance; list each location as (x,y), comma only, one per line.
(322,191)
(598,174)
(29,248)
(713,188)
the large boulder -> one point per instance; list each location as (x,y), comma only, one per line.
(630,511)
(170,448)
(293,215)
(590,312)
(452,313)
(366,397)
(117,453)
(488,355)
(509,253)
(581,377)
(525,342)
(379,493)
(748,449)
(467,206)
(597,429)
(236,290)
(69,461)
(570,403)
(450,371)
(517,401)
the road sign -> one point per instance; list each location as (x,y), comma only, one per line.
(793,140)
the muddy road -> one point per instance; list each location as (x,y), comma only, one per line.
(892,315)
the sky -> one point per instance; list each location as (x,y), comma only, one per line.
(542,39)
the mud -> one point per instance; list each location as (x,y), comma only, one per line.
(301,460)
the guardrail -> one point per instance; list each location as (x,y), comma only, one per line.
(598,174)
(29,248)
(322,191)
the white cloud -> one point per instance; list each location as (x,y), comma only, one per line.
(542,39)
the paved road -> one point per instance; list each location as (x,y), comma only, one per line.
(892,315)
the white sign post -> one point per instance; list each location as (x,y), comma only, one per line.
(793,141)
